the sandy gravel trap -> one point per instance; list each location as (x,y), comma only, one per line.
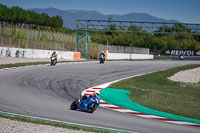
(11,126)
(187,76)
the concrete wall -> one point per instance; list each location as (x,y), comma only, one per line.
(122,49)
(118,56)
(36,53)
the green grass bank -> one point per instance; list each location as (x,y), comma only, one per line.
(157,92)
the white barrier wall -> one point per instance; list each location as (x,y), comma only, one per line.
(118,56)
(34,53)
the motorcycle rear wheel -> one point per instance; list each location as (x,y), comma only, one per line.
(74,106)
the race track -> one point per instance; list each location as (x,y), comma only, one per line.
(47,92)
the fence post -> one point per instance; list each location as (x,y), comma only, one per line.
(1,41)
(19,43)
(42,45)
(34,44)
(10,42)
(26,46)
(56,46)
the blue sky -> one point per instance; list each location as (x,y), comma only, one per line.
(187,11)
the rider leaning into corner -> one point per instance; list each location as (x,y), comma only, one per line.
(93,95)
(54,55)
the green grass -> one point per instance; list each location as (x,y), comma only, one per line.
(56,124)
(156,91)
(22,64)
(33,63)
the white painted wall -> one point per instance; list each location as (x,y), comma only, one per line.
(34,53)
(118,56)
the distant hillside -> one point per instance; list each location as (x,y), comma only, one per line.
(70,16)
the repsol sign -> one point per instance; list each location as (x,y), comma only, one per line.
(183,52)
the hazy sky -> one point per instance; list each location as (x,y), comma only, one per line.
(187,11)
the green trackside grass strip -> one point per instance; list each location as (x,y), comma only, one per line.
(30,64)
(120,98)
(56,123)
(155,94)
(22,64)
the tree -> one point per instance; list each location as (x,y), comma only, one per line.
(3,12)
(113,27)
(164,29)
(16,15)
(134,28)
(180,28)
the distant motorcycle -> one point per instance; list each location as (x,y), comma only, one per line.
(101,59)
(53,61)
(181,57)
(88,105)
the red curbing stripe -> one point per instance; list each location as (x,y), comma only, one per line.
(115,107)
(90,91)
(6,69)
(103,103)
(164,119)
(136,113)
(86,94)
(193,125)
(97,88)
(13,67)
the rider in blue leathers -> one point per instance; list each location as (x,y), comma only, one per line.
(84,99)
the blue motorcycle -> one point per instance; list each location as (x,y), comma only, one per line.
(86,104)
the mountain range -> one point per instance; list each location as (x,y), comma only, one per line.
(70,16)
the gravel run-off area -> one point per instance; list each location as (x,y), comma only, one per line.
(12,126)
(187,76)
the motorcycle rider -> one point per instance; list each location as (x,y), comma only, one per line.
(54,55)
(102,55)
(181,57)
(93,95)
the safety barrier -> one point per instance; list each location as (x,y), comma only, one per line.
(119,56)
(36,53)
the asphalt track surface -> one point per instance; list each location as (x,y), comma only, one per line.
(48,91)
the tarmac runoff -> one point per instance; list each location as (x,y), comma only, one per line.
(13,126)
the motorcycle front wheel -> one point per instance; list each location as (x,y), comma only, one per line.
(91,107)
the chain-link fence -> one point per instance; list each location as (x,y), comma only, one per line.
(25,33)
(20,37)
(35,44)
